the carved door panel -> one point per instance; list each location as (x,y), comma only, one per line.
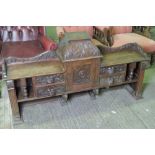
(82,75)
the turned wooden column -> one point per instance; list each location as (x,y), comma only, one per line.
(13,98)
(23,88)
(131,69)
(139,84)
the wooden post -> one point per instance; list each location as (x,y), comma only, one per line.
(13,99)
(139,84)
(23,87)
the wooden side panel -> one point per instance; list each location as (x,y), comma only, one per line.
(139,84)
(13,98)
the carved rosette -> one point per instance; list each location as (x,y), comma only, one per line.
(81,74)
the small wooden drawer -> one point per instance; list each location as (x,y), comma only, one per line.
(113,69)
(112,80)
(120,68)
(106,81)
(50,90)
(119,79)
(49,79)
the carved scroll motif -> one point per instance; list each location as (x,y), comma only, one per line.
(113,69)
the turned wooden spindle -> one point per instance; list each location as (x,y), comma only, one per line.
(23,87)
(131,69)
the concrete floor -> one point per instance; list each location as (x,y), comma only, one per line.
(5,110)
(113,108)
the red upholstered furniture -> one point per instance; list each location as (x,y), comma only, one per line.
(88,29)
(98,34)
(121,29)
(61,30)
(147,44)
(123,35)
(23,42)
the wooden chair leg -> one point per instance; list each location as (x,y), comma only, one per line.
(65,97)
(96,91)
(93,93)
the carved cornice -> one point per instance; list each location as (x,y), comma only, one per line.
(77,49)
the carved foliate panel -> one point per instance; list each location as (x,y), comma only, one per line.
(81,74)
(50,91)
(76,49)
(107,81)
(119,79)
(113,69)
(43,80)
(120,68)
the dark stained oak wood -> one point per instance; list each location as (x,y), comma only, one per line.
(79,65)
(13,98)
(38,69)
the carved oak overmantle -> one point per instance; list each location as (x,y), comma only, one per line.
(77,65)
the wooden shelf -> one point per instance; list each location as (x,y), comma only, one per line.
(121,57)
(122,83)
(36,98)
(37,69)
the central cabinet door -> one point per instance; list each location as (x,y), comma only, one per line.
(82,75)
